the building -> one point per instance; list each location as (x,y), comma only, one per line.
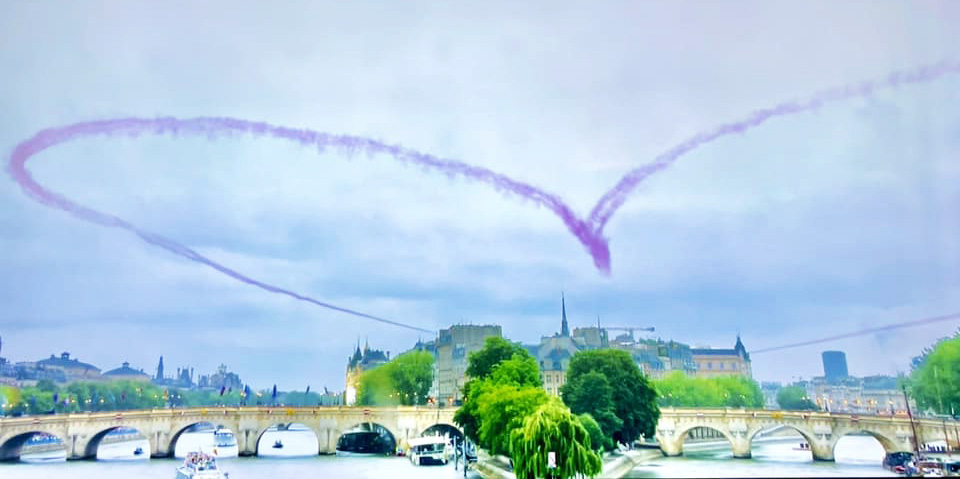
(657,357)
(222,379)
(358,363)
(126,373)
(835,366)
(73,369)
(454,346)
(869,395)
(722,362)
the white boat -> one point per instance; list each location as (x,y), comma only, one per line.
(430,449)
(198,465)
(225,443)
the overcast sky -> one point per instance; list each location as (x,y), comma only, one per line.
(811,225)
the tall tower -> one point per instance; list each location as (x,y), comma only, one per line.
(564,329)
(160,370)
(834,365)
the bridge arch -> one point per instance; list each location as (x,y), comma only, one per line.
(285,426)
(807,435)
(388,441)
(180,429)
(685,430)
(443,428)
(889,444)
(11,446)
(93,444)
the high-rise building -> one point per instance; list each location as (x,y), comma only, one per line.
(454,346)
(835,366)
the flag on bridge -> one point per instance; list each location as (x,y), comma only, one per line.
(308,389)
(222,390)
(274,395)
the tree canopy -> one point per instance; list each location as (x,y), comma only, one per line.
(795,398)
(495,350)
(634,398)
(935,382)
(592,395)
(405,381)
(551,428)
(679,390)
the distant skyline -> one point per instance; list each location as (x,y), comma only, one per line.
(822,223)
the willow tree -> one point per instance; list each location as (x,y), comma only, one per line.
(552,428)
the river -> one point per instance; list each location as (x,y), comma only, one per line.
(856,456)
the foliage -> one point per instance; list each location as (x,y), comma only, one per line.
(935,384)
(552,428)
(598,440)
(795,398)
(591,394)
(679,390)
(498,362)
(634,398)
(405,380)
(495,350)
(519,370)
(502,408)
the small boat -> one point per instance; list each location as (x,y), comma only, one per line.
(138,451)
(278,445)
(803,447)
(198,465)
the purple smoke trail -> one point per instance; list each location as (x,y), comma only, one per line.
(615,197)
(861,332)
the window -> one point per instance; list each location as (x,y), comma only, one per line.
(721,365)
(709,365)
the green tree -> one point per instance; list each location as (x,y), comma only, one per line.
(405,380)
(679,390)
(598,440)
(634,398)
(553,428)
(495,350)
(376,388)
(503,407)
(513,365)
(411,375)
(592,394)
(795,398)
(935,383)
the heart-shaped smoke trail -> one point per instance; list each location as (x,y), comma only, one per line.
(589,232)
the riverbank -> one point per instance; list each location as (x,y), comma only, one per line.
(615,464)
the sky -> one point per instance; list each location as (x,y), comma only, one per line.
(806,226)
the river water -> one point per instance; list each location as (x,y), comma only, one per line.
(856,456)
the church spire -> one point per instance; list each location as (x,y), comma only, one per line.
(564,329)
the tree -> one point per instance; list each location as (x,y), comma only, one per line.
(405,380)
(553,428)
(795,398)
(598,440)
(634,398)
(495,350)
(679,390)
(935,383)
(591,394)
(411,375)
(498,362)
(502,408)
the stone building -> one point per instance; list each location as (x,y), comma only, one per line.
(358,363)
(73,369)
(454,346)
(723,362)
(126,373)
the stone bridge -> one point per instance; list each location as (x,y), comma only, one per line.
(83,432)
(821,430)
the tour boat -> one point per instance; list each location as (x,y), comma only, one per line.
(430,449)
(198,465)
(224,443)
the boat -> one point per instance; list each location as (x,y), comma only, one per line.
(198,465)
(278,445)
(803,447)
(138,451)
(363,443)
(429,449)
(224,443)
